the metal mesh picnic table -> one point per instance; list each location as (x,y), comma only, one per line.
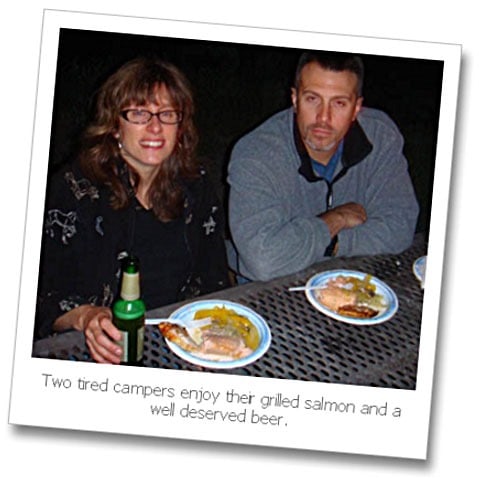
(306,345)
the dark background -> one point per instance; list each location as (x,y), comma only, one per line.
(237,86)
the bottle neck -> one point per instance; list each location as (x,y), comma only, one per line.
(130,286)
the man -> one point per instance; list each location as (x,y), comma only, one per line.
(325,177)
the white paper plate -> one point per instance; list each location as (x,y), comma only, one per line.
(190,309)
(383,289)
(419,269)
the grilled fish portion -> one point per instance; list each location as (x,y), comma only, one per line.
(351,297)
(229,336)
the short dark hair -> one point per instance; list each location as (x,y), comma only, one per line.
(334,61)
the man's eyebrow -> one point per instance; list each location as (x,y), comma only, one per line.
(314,93)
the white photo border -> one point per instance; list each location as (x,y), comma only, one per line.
(404,437)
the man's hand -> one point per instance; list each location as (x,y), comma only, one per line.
(345,216)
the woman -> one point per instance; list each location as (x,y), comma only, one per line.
(136,188)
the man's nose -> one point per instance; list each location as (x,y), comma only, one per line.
(323,112)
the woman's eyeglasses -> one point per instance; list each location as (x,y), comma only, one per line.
(144,116)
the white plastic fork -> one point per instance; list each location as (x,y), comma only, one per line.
(304,288)
(190,323)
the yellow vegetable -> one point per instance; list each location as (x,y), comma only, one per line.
(365,291)
(229,320)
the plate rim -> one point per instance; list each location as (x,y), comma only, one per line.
(415,267)
(394,305)
(227,364)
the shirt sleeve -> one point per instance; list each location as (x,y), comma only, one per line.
(270,238)
(61,240)
(390,202)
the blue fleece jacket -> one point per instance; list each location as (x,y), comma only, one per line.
(275,197)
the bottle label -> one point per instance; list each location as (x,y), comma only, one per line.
(123,343)
(139,344)
(126,342)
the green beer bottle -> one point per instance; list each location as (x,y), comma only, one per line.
(129,313)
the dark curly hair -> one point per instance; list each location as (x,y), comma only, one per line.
(137,82)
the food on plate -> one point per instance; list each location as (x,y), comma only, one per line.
(351,296)
(357,311)
(229,336)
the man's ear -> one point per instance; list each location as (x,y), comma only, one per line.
(359,105)
(294,98)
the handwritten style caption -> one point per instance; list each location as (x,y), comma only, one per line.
(203,403)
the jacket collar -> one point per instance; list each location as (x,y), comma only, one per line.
(356,148)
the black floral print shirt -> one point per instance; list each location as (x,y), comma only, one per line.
(84,240)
